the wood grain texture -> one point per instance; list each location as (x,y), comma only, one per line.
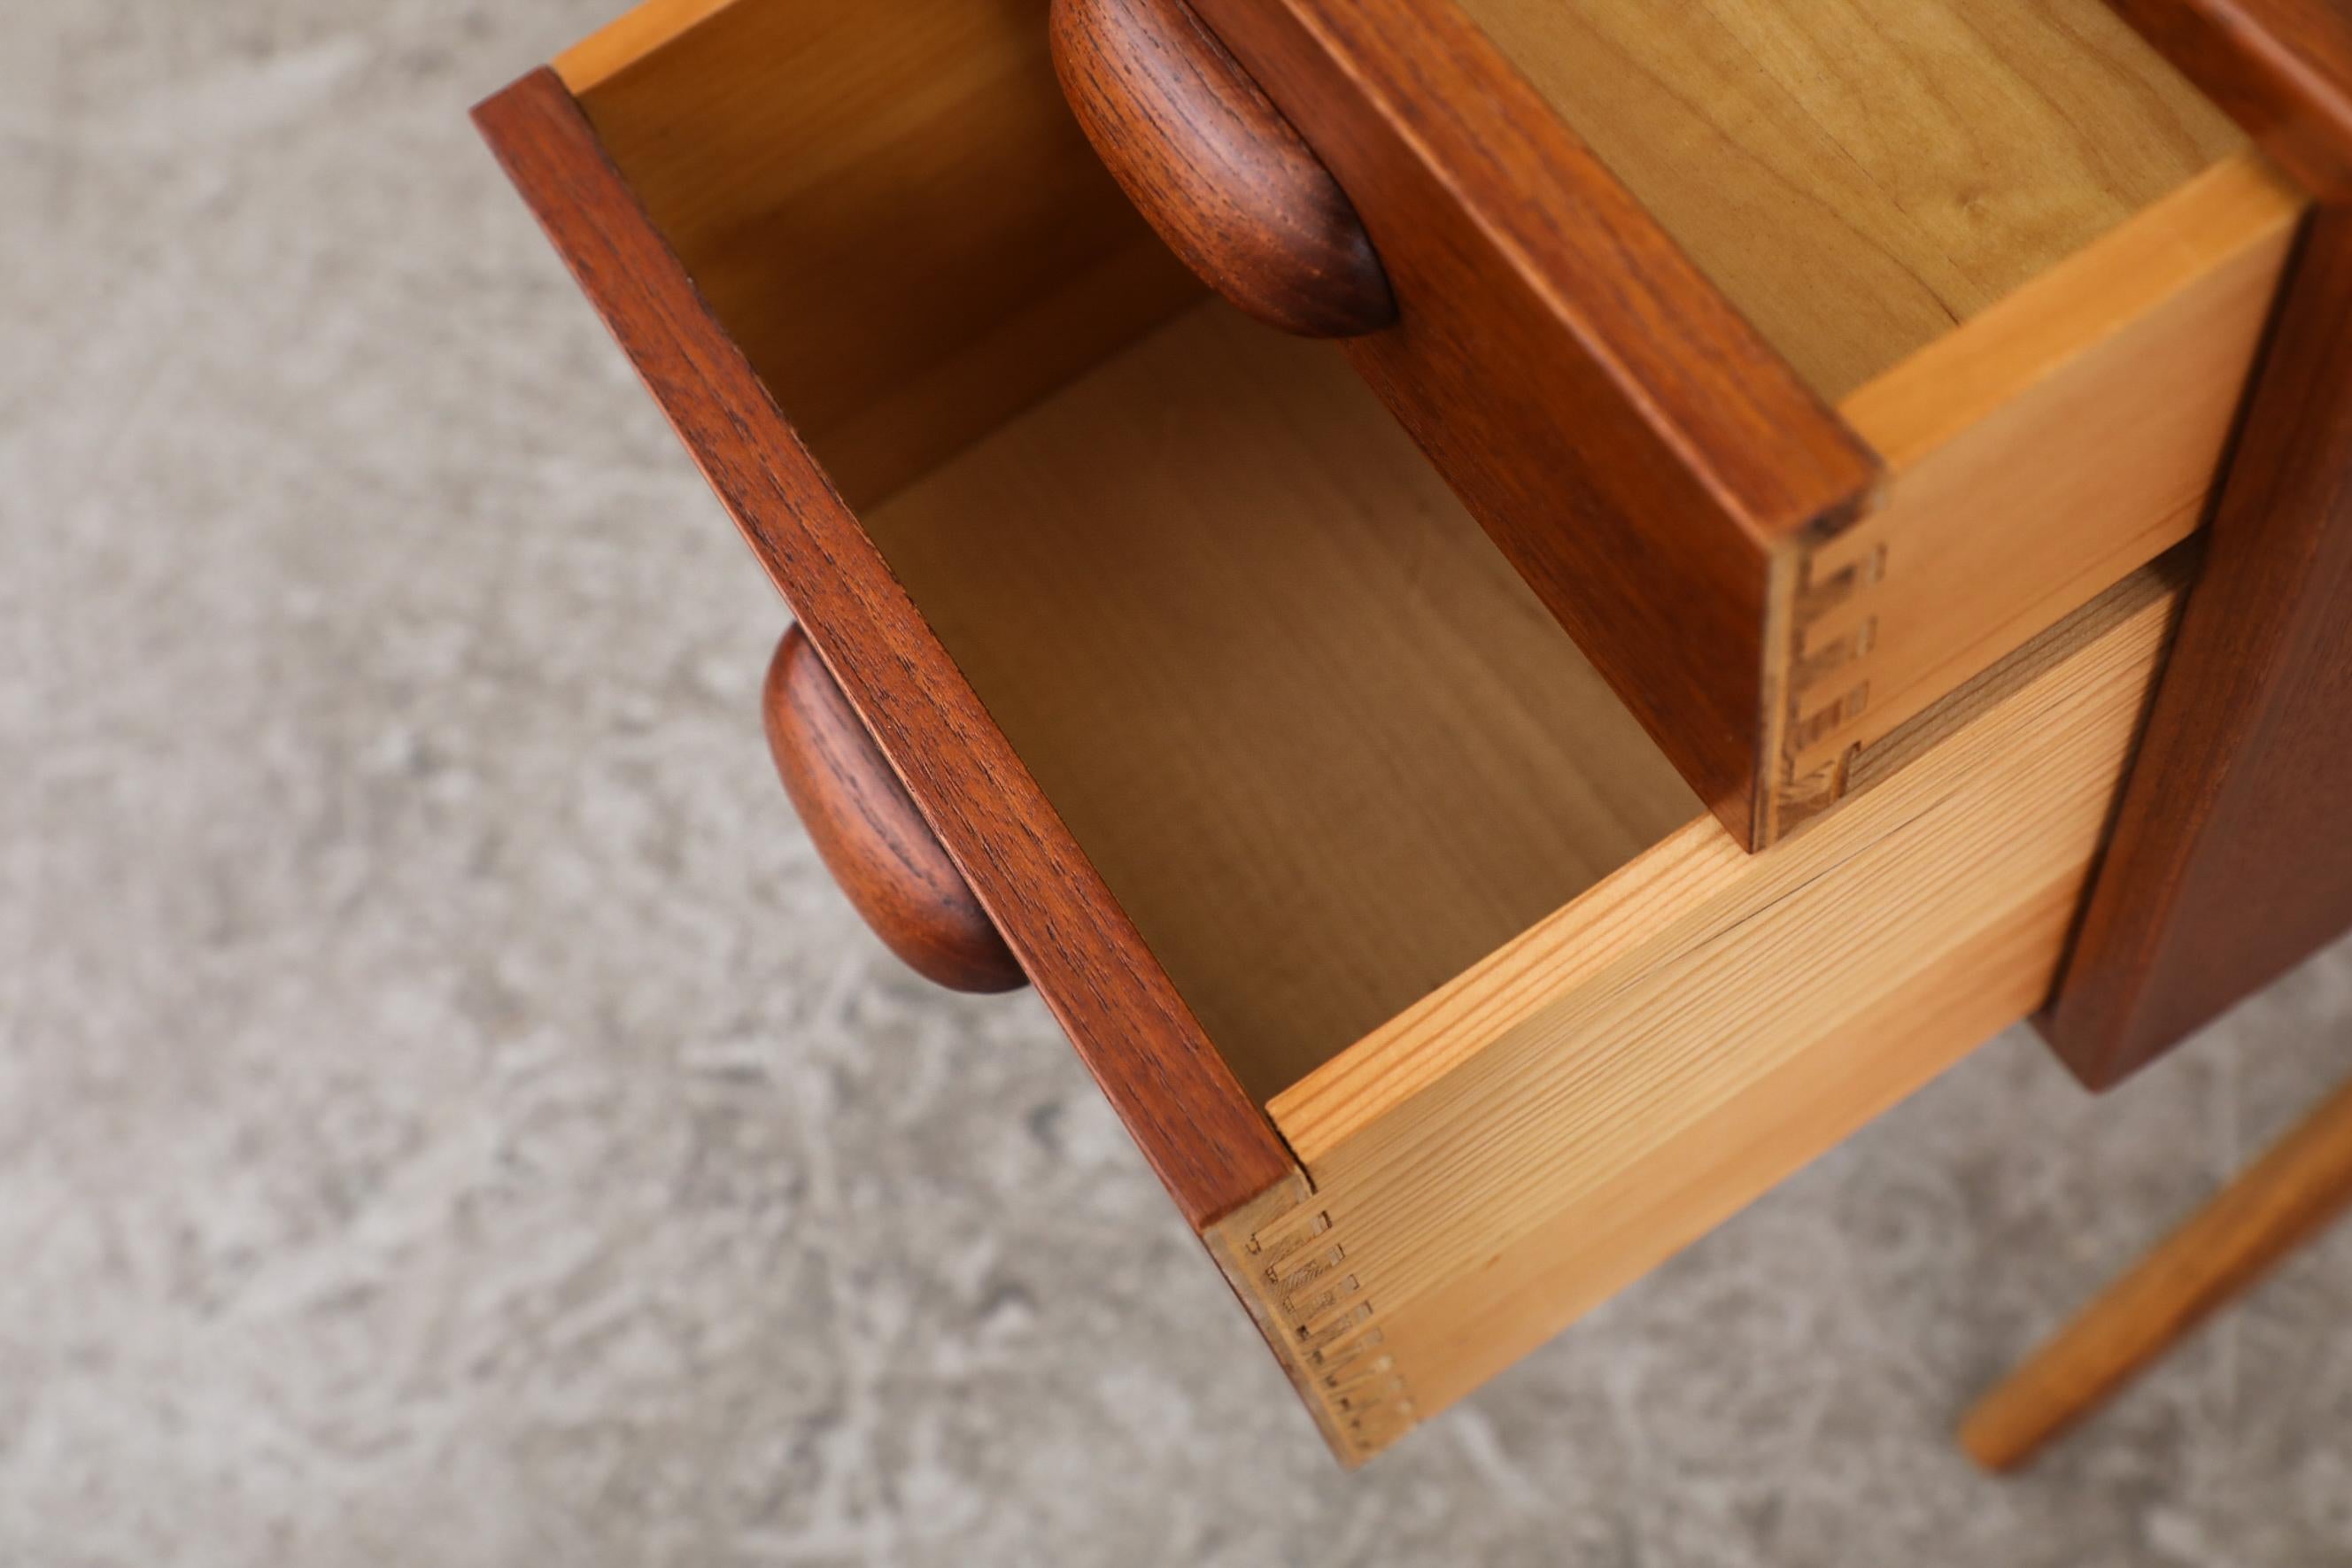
(1322,743)
(2039,453)
(886,205)
(1215,169)
(1637,450)
(1858,178)
(834,181)
(869,834)
(2230,861)
(2281,1202)
(1635,1068)
(1344,1408)
(2281,69)
(1292,1275)
(627,41)
(1203,1137)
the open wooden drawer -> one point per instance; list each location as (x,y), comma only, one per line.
(1433,994)
(1806,359)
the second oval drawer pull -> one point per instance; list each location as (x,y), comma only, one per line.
(871,837)
(1206,157)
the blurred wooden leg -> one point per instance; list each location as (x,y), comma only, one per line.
(2283,1201)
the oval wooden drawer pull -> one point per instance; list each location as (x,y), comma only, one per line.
(1216,169)
(869,834)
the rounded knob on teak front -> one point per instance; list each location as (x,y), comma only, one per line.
(1215,167)
(869,834)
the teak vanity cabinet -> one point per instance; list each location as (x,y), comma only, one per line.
(1741,411)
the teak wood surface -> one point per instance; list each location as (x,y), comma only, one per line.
(869,832)
(2231,860)
(1209,1143)
(1220,175)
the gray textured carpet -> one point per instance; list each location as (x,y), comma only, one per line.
(447,1117)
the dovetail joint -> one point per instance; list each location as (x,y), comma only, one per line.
(1333,1327)
(1807,723)
(1815,600)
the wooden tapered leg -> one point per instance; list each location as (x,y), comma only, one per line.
(2284,1200)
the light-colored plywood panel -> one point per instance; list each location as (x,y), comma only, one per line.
(1860,176)
(887,204)
(1320,739)
(1563,1117)
(2038,455)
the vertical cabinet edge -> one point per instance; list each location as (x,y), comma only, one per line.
(2214,880)
(2230,861)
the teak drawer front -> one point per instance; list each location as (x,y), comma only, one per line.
(1206,1141)
(1783,515)
(1435,998)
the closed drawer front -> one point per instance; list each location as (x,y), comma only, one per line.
(1440,1001)
(1806,359)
